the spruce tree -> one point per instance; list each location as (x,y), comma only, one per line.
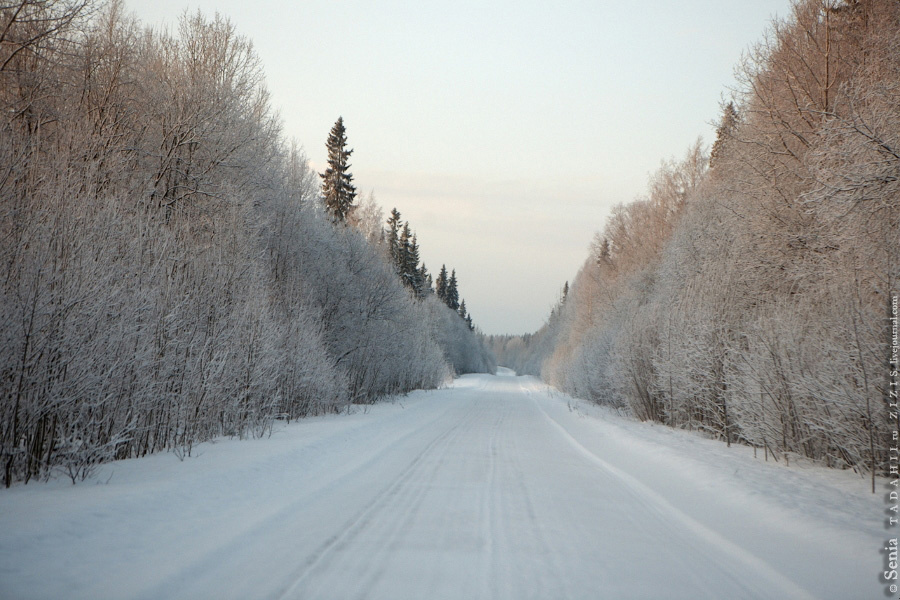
(724,134)
(603,255)
(403,252)
(441,284)
(466,316)
(452,293)
(337,186)
(393,237)
(412,261)
(408,259)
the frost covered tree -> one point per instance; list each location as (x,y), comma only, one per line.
(367,216)
(427,285)
(724,133)
(169,276)
(746,301)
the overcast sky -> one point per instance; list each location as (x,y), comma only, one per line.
(503,131)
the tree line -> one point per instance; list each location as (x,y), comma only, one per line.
(403,248)
(399,246)
(171,268)
(746,294)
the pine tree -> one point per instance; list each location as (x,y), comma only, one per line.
(441,284)
(337,186)
(452,293)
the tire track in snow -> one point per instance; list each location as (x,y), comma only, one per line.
(383,509)
(396,519)
(179,583)
(667,513)
(552,584)
(489,511)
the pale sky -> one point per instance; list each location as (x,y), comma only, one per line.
(504,131)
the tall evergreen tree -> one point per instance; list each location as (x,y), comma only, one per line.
(408,259)
(337,186)
(403,253)
(412,262)
(393,237)
(452,293)
(441,284)
(462,309)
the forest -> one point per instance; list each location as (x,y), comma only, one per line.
(172,269)
(747,293)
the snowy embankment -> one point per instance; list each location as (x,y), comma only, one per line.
(493,488)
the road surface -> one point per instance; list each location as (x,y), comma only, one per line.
(494,488)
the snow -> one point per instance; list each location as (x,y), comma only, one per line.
(495,487)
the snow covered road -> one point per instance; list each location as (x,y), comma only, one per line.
(492,488)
